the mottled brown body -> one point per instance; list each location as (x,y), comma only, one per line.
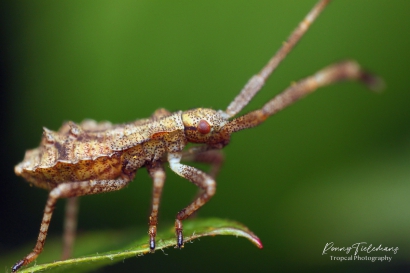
(92,157)
(93,150)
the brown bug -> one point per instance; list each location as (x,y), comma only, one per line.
(93,157)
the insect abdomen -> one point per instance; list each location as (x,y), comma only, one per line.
(100,168)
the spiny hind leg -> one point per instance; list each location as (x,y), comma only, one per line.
(200,179)
(157,173)
(68,190)
(70,227)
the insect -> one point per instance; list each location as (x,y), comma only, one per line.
(90,158)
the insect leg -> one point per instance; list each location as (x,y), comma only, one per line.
(201,154)
(199,178)
(67,190)
(347,70)
(157,173)
(256,82)
(70,226)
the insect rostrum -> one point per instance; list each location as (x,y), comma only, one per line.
(89,158)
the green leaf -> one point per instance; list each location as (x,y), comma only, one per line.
(193,229)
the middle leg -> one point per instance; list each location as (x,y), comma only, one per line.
(157,173)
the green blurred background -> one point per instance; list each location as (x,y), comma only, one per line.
(333,168)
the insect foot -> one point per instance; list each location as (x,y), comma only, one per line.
(178,233)
(90,158)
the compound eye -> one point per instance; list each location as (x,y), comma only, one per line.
(204,127)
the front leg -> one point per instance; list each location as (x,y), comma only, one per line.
(207,155)
(199,178)
(67,190)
